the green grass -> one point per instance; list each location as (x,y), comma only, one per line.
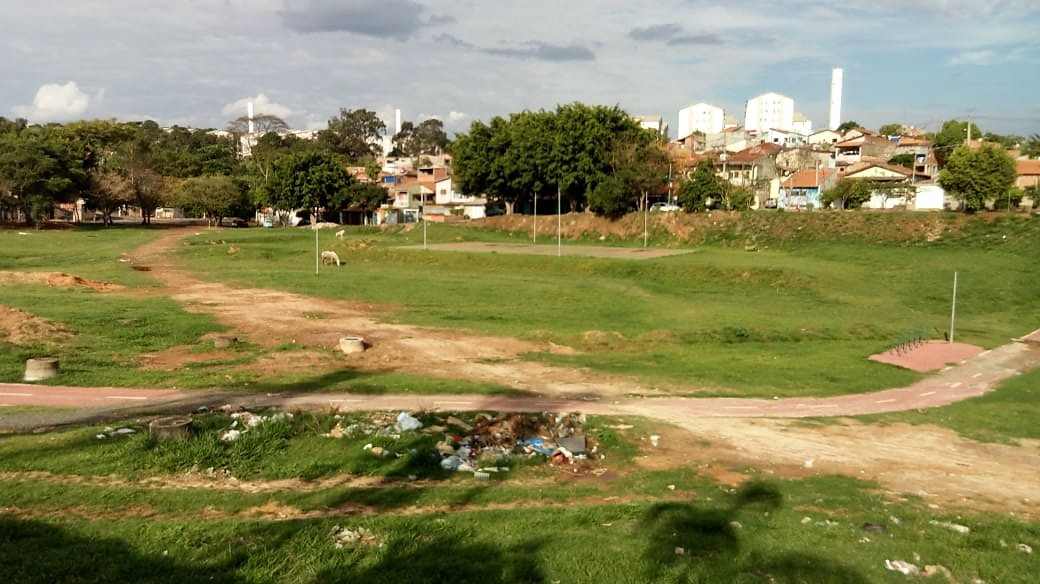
(797,318)
(755,535)
(92,252)
(793,321)
(96,516)
(1007,414)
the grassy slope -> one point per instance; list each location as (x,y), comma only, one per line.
(794,320)
(568,530)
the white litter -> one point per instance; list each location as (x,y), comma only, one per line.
(905,568)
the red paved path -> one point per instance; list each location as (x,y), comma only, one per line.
(971,378)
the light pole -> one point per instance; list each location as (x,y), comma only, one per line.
(559,223)
(422,214)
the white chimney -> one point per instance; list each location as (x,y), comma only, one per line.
(836,79)
(397,121)
(249,108)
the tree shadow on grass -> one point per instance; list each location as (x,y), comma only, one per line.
(686,543)
(33,551)
(436,558)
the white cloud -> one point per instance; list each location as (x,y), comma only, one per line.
(55,103)
(261,105)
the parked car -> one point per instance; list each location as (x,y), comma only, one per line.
(663,208)
(770,204)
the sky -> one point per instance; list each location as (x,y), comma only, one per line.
(198,62)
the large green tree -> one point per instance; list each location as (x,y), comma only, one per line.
(306,180)
(891,130)
(416,140)
(848,125)
(107,192)
(703,187)
(952,134)
(975,177)
(354,134)
(214,197)
(39,168)
(1031,146)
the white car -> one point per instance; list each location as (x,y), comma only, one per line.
(663,208)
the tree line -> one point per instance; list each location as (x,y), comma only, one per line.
(111,165)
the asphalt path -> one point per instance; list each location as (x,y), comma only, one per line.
(76,405)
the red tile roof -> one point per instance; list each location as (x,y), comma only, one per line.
(808,179)
(1028,167)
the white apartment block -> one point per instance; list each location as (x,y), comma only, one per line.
(701,117)
(655,123)
(801,124)
(769,111)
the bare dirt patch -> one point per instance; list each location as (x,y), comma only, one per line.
(928,356)
(933,463)
(24,328)
(56,279)
(175,358)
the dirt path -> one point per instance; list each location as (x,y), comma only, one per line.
(931,462)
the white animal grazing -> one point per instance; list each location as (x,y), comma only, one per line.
(328,257)
(339,233)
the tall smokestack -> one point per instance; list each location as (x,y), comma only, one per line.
(249,109)
(836,79)
(397,122)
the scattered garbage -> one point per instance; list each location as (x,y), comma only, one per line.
(654,440)
(1024,548)
(481,443)
(343,536)
(679,551)
(961,529)
(875,527)
(113,432)
(243,421)
(407,423)
(905,568)
(934,570)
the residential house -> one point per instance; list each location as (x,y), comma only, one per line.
(801,191)
(732,139)
(457,204)
(1028,178)
(751,168)
(769,111)
(701,117)
(863,148)
(1028,173)
(926,165)
(782,137)
(824,138)
(880,172)
(655,123)
(801,124)
(792,160)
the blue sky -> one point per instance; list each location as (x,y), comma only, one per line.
(196,62)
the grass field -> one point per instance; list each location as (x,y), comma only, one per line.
(789,321)
(79,509)
(799,317)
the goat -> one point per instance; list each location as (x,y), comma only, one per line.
(328,257)
(339,233)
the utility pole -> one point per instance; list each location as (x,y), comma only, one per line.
(953,308)
(559,223)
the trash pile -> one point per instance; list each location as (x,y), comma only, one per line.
(343,536)
(485,443)
(241,422)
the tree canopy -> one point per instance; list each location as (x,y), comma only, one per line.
(306,180)
(952,134)
(891,130)
(354,134)
(572,148)
(975,177)
(848,125)
(426,138)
